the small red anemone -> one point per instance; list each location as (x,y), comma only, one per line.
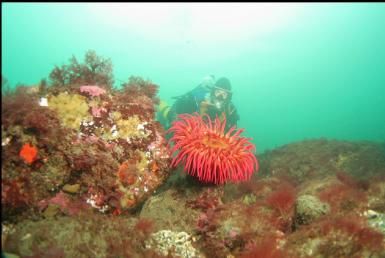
(28,153)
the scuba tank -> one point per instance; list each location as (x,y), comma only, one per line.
(201,91)
(186,103)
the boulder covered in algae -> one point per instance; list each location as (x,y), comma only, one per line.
(311,159)
(80,146)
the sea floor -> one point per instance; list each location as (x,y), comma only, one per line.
(315,198)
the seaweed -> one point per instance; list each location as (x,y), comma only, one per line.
(95,70)
(143,228)
(349,235)
(267,248)
(283,198)
(6,89)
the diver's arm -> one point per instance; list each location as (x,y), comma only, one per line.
(232,115)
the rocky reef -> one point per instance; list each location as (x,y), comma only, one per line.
(86,173)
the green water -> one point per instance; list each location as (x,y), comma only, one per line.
(298,71)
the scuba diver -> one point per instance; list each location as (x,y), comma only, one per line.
(209,97)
